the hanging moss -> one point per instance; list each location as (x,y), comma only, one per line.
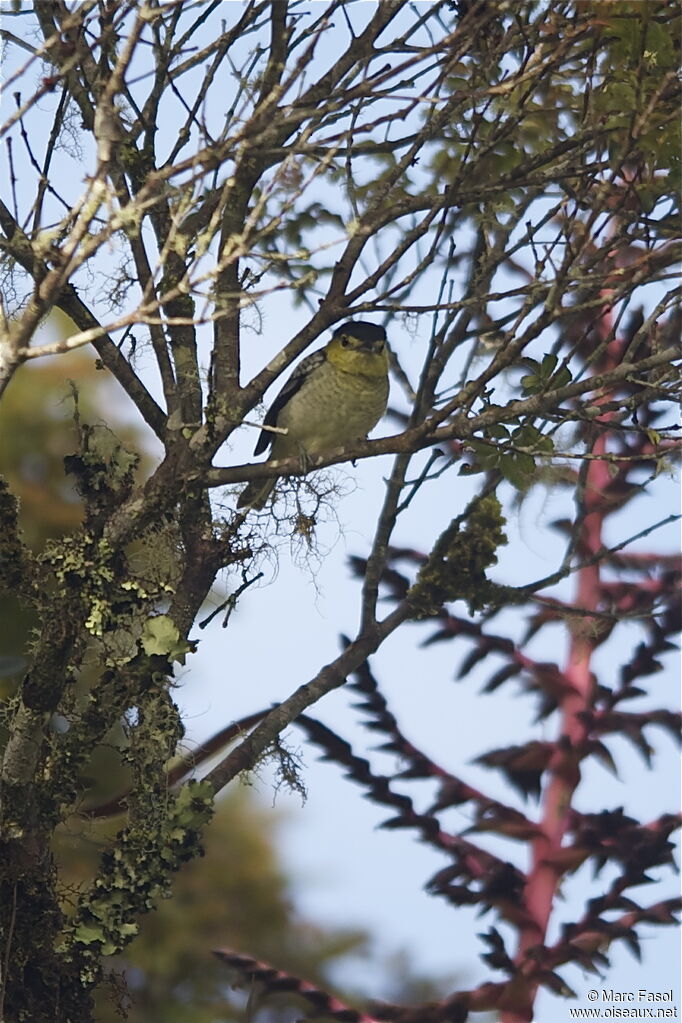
(456,569)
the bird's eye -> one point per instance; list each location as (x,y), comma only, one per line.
(345,340)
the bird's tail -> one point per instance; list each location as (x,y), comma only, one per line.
(255,494)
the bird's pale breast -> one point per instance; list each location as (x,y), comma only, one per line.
(331,409)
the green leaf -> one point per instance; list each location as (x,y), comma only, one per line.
(549,364)
(487,457)
(531,383)
(526,436)
(525,463)
(518,469)
(562,377)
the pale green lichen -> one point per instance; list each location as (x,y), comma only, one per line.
(134,873)
(160,635)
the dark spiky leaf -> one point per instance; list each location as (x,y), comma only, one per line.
(522,765)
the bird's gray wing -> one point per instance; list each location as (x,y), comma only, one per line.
(293,384)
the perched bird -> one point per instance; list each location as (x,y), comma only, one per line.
(333,398)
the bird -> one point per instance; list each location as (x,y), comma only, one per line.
(333,398)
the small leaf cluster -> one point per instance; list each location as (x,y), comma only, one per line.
(510,450)
(544,376)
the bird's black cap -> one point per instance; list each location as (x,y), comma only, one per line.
(365,332)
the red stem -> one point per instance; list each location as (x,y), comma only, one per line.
(546,869)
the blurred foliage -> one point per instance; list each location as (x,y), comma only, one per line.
(36,434)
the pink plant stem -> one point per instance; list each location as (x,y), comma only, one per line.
(546,867)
